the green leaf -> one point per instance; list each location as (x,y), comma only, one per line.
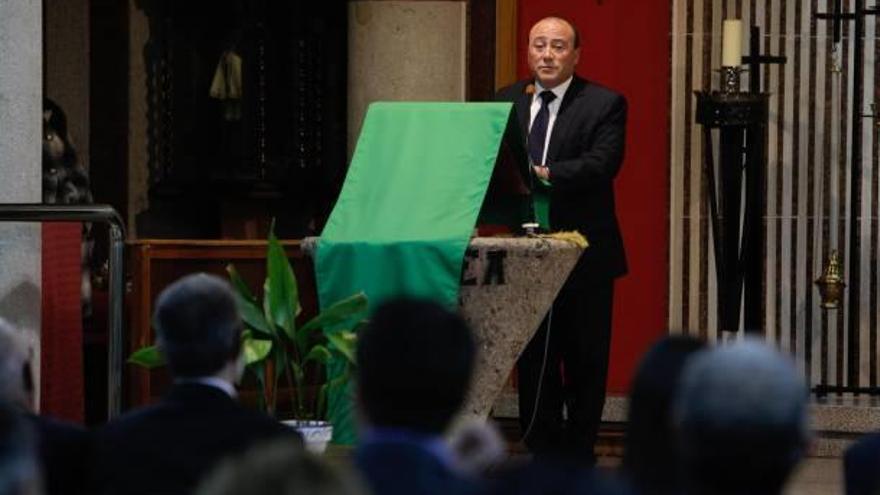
(345,343)
(148,357)
(247,304)
(318,353)
(281,297)
(298,373)
(337,313)
(239,285)
(321,403)
(255,350)
(263,398)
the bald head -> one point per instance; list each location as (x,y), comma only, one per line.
(554,51)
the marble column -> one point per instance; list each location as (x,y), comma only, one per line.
(404,51)
(20,155)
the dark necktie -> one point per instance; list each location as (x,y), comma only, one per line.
(538,132)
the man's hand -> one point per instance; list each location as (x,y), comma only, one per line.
(542,172)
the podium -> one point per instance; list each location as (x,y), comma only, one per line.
(402,225)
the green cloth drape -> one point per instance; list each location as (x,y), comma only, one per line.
(407,209)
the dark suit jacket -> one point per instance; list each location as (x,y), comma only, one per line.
(167,448)
(861,466)
(584,155)
(404,469)
(63,450)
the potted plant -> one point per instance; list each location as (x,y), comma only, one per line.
(277,351)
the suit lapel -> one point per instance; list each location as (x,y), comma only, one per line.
(523,112)
(563,118)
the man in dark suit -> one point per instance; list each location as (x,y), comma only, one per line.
(576,131)
(415,361)
(170,446)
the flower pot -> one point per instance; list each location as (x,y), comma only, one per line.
(316,434)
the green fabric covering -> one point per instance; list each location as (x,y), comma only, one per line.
(407,209)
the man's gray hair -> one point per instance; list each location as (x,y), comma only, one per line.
(14,366)
(742,416)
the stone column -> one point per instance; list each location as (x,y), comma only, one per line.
(404,51)
(20,154)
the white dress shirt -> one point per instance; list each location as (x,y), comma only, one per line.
(553,108)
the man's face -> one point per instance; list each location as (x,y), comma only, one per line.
(552,55)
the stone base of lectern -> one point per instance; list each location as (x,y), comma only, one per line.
(507,286)
(505,311)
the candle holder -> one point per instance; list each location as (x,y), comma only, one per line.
(730,80)
(831,283)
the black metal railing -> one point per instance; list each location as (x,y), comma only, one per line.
(26,212)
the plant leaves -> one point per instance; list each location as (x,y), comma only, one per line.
(318,353)
(250,311)
(239,284)
(255,350)
(281,296)
(298,374)
(148,357)
(321,403)
(339,312)
(345,343)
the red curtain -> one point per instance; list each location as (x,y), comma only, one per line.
(61,360)
(625,45)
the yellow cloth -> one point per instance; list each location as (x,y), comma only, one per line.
(573,237)
(226,85)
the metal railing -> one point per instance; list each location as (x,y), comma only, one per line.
(31,213)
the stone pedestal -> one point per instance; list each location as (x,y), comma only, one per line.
(505,312)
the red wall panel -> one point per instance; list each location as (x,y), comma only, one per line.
(625,45)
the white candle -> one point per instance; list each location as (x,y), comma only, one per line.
(731,46)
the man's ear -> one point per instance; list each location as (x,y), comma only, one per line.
(47,115)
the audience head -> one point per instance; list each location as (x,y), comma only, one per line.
(16,381)
(279,468)
(19,468)
(742,419)
(198,326)
(415,360)
(651,458)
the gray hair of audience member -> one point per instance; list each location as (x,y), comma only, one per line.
(280,467)
(15,368)
(19,468)
(742,419)
(198,325)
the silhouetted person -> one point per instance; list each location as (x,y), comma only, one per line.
(742,420)
(62,447)
(415,361)
(651,460)
(168,447)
